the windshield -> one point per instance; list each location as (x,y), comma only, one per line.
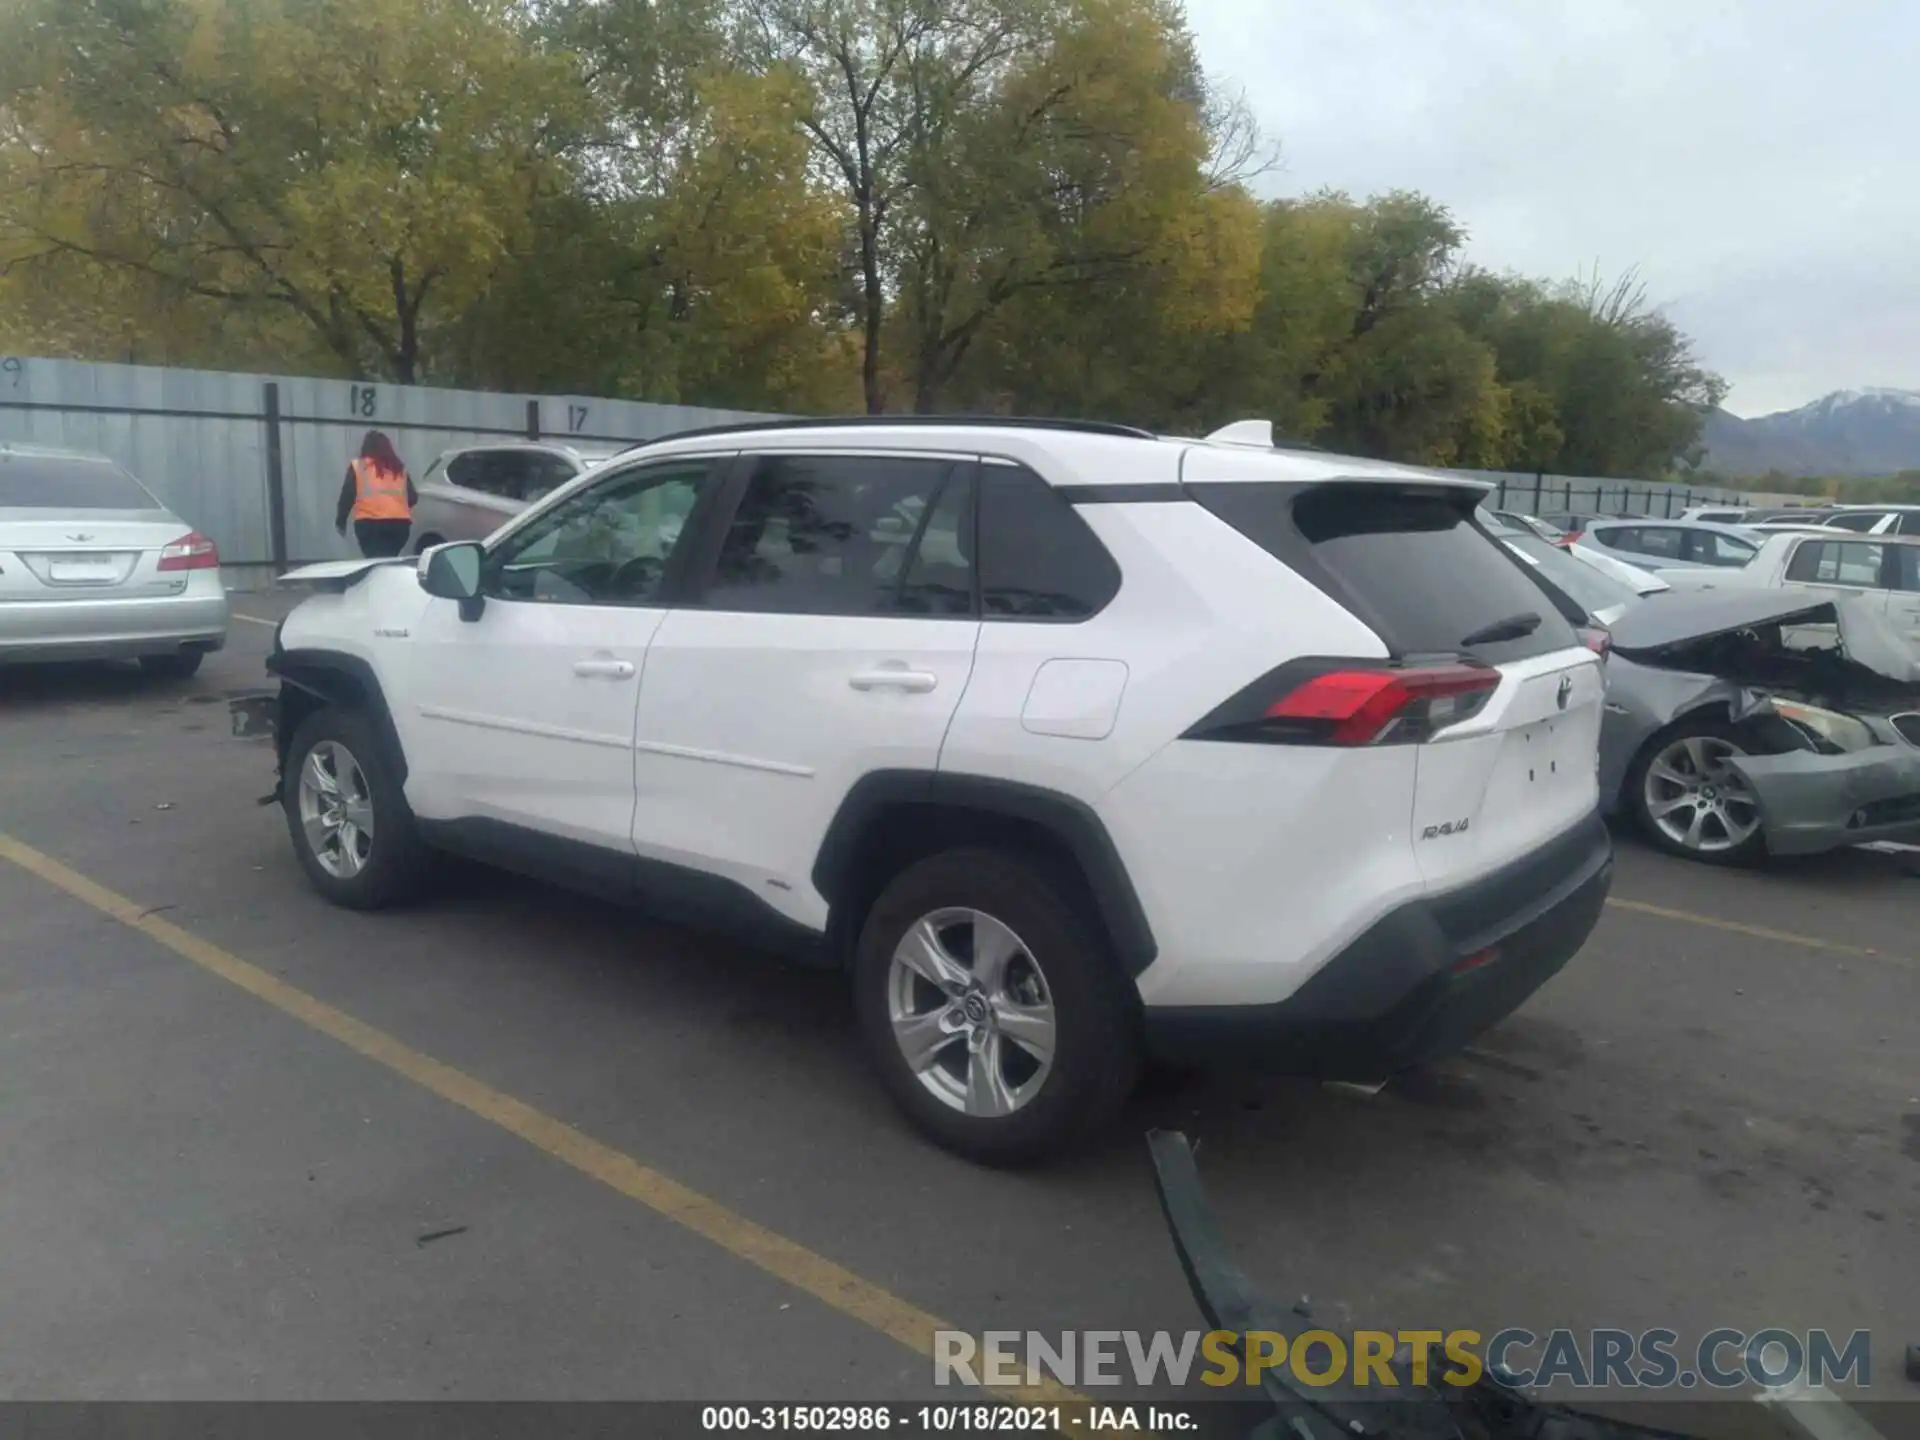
(1593,591)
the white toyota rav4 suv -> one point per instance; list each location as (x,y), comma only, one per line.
(1074,745)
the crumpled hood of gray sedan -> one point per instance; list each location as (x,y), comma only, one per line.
(1682,619)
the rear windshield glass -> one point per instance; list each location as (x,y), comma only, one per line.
(1409,563)
(41,482)
(1592,590)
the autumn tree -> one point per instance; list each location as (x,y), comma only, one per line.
(360,165)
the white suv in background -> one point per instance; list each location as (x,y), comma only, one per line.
(470,492)
(1070,743)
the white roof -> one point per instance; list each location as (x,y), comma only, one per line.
(1070,457)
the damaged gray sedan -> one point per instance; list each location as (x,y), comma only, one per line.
(1743,722)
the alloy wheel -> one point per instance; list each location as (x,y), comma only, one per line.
(1697,800)
(336,810)
(971,1012)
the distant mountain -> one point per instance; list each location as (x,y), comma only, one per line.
(1850,432)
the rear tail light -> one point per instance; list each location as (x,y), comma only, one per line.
(1596,639)
(192,551)
(1361,703)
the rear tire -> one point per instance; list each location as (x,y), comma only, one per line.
(427,542)
(1030,1044)
(174,665)
(1680,774)
(347,815)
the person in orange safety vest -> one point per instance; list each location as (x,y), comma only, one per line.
(378,496)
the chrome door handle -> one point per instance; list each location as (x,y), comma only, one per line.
(612,669)
(916,682)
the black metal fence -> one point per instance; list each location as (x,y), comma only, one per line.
(1552,495)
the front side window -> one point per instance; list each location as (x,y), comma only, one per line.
(608,545)
(843,535)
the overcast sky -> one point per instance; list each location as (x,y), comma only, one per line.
(1758,160)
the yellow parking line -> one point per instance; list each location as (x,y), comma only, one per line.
(1740,927)
(253,619)
(786,1260)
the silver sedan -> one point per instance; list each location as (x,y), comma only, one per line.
(93,567)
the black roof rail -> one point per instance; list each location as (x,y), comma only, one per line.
(894,422)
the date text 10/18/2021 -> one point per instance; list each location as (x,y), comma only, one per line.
(916,1420)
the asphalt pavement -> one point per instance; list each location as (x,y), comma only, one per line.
(514,1144)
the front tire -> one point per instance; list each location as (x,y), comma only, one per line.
(991,1007)
(346,814)
(1689,802)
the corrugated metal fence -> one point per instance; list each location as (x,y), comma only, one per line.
(256,461)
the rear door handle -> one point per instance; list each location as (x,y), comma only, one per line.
(612,669)
(916,682)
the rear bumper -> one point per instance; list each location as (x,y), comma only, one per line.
(1407,990)
(112,629)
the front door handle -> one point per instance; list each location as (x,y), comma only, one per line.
(914,682)
(612,669)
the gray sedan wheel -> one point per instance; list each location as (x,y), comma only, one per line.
(1691,802)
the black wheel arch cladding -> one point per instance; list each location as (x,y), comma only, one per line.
(331,677)
(1069,822)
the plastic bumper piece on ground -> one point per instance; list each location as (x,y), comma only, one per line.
(1419,984)
(1810,803)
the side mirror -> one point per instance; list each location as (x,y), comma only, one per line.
(452,572)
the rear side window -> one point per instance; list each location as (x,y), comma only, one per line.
(1409,563)
(1709,547)
(544,475)
(41,482)
(1659,541)
(830,535)
(491,472)
(1906,567)
(1852,521)
(1836,562)
(1038,560)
